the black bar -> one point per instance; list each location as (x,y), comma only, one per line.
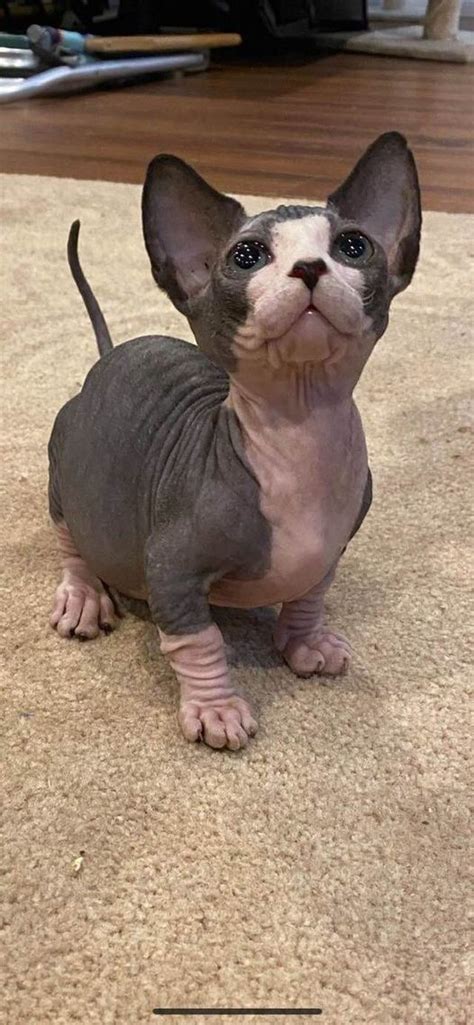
(237,1010)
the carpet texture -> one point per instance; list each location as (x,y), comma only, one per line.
(325,866)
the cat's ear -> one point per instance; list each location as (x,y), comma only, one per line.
(185,224)
(382,197)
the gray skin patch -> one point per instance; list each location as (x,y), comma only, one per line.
(284,213)
(148,469)
(375,273)
(366,504)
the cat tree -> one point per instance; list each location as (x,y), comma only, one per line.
(434,36)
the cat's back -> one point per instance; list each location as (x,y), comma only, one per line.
(152,368)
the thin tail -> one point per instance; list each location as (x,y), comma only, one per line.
(101,331)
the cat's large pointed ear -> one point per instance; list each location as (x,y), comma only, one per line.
(382,196)
(185,224)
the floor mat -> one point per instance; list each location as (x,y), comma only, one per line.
(325,866)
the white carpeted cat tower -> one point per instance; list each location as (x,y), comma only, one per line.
(430,33)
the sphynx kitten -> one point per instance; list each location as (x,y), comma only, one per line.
(235,472)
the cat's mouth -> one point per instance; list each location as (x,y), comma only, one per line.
(309,326)
(312,309)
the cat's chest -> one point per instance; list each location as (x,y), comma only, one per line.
(310,497)
(311,480)
(310,471)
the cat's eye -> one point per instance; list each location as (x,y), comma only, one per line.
(250,255)
(353,247)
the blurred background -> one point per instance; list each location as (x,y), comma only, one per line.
(263,96)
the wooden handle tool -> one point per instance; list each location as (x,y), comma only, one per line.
(159,44)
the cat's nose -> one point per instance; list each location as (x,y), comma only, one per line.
(309,271)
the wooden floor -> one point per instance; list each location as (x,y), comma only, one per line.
(290,128)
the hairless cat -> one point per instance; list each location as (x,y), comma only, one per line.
(235,472)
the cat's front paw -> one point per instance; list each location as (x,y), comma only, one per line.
(219,723)
(82,608)
(323,652)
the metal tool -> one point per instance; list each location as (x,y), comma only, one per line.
(91,72)
(18,62)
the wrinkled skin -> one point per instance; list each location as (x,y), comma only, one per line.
(234,473)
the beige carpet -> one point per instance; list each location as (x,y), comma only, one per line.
(326,865)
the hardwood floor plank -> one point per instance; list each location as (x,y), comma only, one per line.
(276,127)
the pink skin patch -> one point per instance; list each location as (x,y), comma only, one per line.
(210,708)
(310,460)
(82,608)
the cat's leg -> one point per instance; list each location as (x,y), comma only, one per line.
(210,707)
(82,607)
(305,641)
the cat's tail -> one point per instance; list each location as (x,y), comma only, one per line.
(101,331)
